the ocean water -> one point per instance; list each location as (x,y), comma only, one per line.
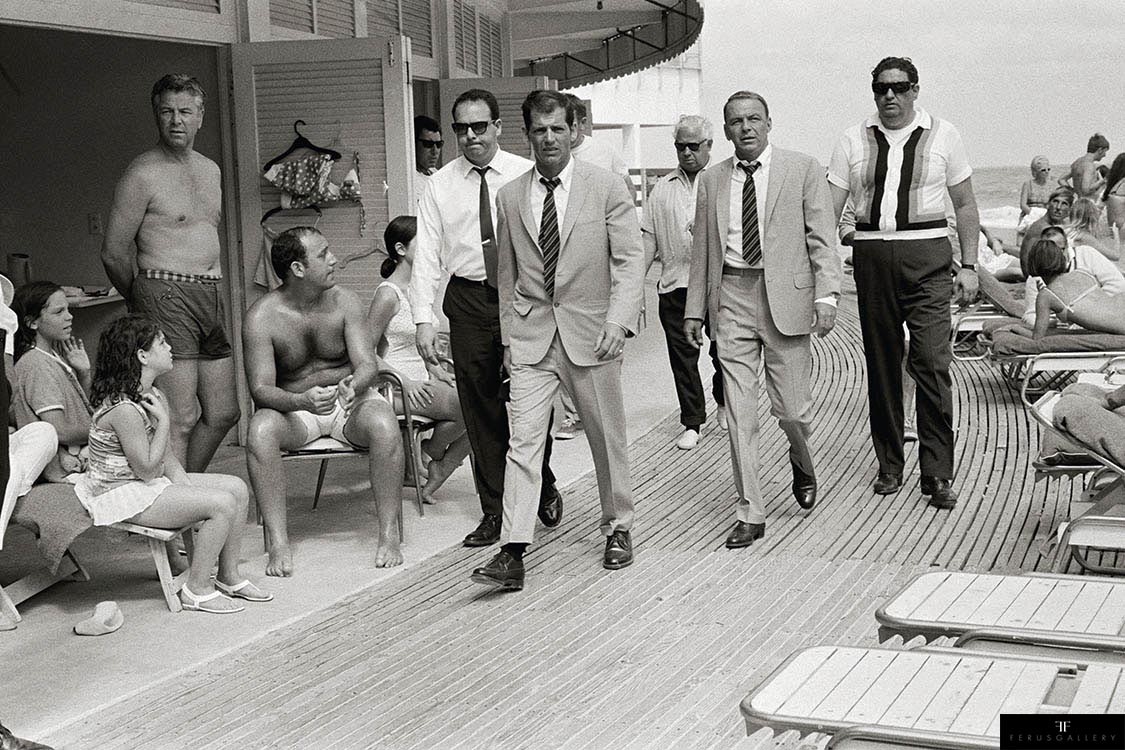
(997,190)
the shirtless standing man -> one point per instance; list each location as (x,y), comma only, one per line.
(311,364)
(168,203)
(1084,177)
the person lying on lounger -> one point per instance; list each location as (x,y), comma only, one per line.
(1075,296)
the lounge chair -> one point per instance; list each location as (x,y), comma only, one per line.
(920,695)
(1031,614)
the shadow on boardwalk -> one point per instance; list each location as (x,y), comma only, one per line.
(656,655)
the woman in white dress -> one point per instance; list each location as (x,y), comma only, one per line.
(431,391)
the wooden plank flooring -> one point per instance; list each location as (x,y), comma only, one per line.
(656,655)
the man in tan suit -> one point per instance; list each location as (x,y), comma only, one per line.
(764,266)
(571,271)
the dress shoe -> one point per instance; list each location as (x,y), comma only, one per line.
(689,438)
(618,550)
(551,507)
(503,570)
(804,488)
(488,532)
(887,483)
(743,534)
(941,493)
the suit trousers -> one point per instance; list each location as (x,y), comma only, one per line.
(597,394)
(684,359)
(907,281)
(748,338)
(473,310)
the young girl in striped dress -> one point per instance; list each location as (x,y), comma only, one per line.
(133,475)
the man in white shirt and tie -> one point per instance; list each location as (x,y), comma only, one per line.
(765,269)
(456,235)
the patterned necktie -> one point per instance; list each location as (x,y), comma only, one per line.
(751,238)
(549,235)
(487,235)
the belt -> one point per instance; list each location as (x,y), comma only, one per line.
(192,278)
(732,271)
(470,282)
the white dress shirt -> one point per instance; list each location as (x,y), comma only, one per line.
(733,256)
(448,236)
(562,195)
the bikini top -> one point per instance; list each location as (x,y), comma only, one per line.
(1068,309)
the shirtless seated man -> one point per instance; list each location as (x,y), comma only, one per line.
(311,366)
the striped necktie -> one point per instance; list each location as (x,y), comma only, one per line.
(751,237)
(487,235)
(549,235)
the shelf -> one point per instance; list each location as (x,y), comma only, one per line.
(105,299)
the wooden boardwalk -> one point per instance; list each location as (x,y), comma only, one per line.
(657,655)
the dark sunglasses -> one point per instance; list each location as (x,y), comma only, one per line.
(681,146)
(899,87)
(431,144)
(460,128)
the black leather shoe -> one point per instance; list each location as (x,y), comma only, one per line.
(503,570)
(941,493)
(551,507)
(804,488)
(743,534)
(618,550)
(887,484)
(488,532)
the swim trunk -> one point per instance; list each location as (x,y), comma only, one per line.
(189,310)
(332,424)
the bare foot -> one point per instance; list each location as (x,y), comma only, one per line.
(389,554)
(439,472)
(281,561)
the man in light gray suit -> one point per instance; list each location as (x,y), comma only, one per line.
(571,269)
(764,266)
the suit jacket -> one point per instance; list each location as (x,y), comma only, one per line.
(599,276)
(798,241)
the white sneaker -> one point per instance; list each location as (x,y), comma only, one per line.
(722,415)
(569,430)
(689,438)
(909,434)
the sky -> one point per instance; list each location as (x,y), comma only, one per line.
(1016,78)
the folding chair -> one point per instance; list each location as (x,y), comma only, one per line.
(1034,614)
(915,696)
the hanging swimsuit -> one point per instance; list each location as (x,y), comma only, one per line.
(1068,310)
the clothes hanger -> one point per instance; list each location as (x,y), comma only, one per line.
(298,143)
(279,209)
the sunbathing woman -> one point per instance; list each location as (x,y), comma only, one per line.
(52,375)
(1075,296)
(134,476)
(431,391)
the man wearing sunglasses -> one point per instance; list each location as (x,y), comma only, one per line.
(764,270)
(456,235)
(667,233)
(898,167)
(427,145)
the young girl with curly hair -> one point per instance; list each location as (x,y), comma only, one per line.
(134,476)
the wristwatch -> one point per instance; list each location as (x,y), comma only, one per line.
(969,266)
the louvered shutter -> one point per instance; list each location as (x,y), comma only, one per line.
(336,18)
(509,93)
(417,23)
(292,14)
(351,93)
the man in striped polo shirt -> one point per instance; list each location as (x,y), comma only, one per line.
(897,167)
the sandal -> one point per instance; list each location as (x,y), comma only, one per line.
(197,603)
(244,590)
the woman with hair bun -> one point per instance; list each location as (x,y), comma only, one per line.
(430,391)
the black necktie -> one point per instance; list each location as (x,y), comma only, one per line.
(549,235)
(487,235)
(751,238)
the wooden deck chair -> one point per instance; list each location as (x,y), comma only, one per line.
(170,585)
(1031,614)
(926,692)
